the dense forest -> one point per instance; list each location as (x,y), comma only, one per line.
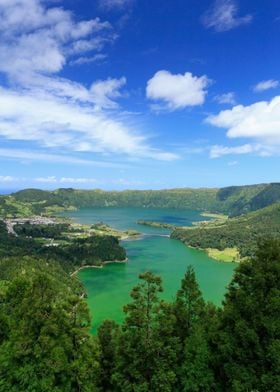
(184,346)
(232,201)
(71,253)
(241,232)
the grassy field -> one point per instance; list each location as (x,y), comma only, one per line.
(226,255)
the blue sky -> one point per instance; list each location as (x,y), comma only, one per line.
(120,94)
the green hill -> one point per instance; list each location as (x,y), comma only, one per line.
(241,232)
(237,200)
(233,201)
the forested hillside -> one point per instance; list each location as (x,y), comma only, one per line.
(239,200)
(69,252)
(232,201)
(241,232)
(187,345)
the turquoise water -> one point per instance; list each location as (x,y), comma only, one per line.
(126,218)
(108,288)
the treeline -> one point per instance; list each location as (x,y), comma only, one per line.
(242,232)
(55,231)
(232,201)
(184,346)
(71,253)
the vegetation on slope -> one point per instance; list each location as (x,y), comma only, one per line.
(231,201)
(241,232)
(58,243)
(239,200)
(44,322)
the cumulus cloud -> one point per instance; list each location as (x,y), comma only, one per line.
(177,91)
(227,98)
(223,16)
(26,24)
(266,85)
(259,122)
(43,108)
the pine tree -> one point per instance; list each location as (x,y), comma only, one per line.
(47,345)
(189,305)
(144,360)
(196,373)
(108,334)
(192,320)
(249,331)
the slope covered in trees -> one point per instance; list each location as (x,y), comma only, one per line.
(184,346)
(232,200)
(70,252)
(44,341)
(241,232)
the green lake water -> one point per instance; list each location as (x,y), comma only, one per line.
(108,288)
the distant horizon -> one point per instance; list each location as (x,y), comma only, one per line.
(8,191)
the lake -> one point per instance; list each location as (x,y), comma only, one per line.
(108,288)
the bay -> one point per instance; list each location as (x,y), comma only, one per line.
(108,288)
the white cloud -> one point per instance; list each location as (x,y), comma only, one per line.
(68,180)
(223,16)
(262,150)
(227,98)
(232,163)
(49,179)
(8,179)
(103,91)
(259,121)
(55,122)
(30,155)
(266,85)
(54,112)
(218,151)
(26,24)
(177,91)
(84,180)
(110,4)
(89,59)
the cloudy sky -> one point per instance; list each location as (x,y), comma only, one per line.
(119,94)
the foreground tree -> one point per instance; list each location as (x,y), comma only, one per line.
(108,334)
(47,346)
(195,372)
(189,305)
(145,356)
(249,333)
(192,321)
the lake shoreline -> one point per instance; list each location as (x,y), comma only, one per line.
(108,289)
(106,262)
